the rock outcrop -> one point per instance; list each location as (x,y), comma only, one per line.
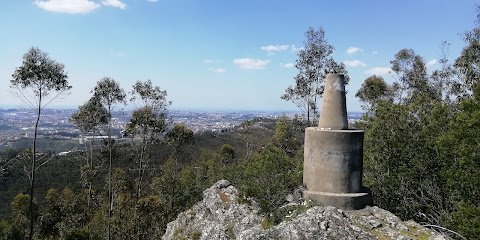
(220,216)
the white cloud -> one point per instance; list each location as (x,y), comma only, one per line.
(67,6)
(274,48)
(288,65)
(296,49)
(271,49)
(374,53)
(431,63)
(114,3)
(355,63)
(378,71)
(207,61)
(248,63)
(217,70)
(352,50)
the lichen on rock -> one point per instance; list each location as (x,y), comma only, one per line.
(220,216)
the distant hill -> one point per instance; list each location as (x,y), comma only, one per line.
(64,171)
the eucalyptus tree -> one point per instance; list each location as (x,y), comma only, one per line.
(468,63)
(148,122)
(374,88)
(3,166)
(445,78)
(313,63)
(286,137)
(412,77)
(458,147)
(90,117)
(110,94)
(37,82)
(177,136)
(404,120)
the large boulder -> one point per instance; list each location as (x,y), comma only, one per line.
(220,216)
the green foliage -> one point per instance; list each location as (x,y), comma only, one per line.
(267,223)
(227,154)
(468,63)
(40,74)
(3,167)
(150,221)
(269,177)
(287,136)
(421,157)
(9,231)
(35,81)
(413,81)
(313,62)
(196,235)
(466,220)
(78,234)
(373,89)
(209,173)
(229,231)
(109,93)
(404,175)
(147,216)
(146,123)
(21,215)
(150,118)
(62,213)
(459,149)
(90,115)
(178,136)
(150,96)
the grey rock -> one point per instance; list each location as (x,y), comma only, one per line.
(220,216)
(217,216)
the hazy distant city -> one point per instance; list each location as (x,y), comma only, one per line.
(18,123)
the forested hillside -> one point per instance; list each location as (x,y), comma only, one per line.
(422,141)
(421,151)
(65,184)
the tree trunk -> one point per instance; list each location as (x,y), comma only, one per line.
(174,175)
(109,171)
(34,158)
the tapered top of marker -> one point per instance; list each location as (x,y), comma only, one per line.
(333,114)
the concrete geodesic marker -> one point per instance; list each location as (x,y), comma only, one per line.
(333,154)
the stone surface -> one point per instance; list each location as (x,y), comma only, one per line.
(346,201)
(220,216)
(333,160)
(333,154)
(334,104)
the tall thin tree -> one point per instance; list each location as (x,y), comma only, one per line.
(89,118)
(38,82)
(148,122)
(110,94)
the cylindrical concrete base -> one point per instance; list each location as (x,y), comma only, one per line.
(333,160)
(333,165)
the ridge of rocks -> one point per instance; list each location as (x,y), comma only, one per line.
(220,216)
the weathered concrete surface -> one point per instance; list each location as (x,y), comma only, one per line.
(333,160)
(333,154)
(220,216)
(346,201)
(334,104)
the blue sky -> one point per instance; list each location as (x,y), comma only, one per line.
(221,54)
